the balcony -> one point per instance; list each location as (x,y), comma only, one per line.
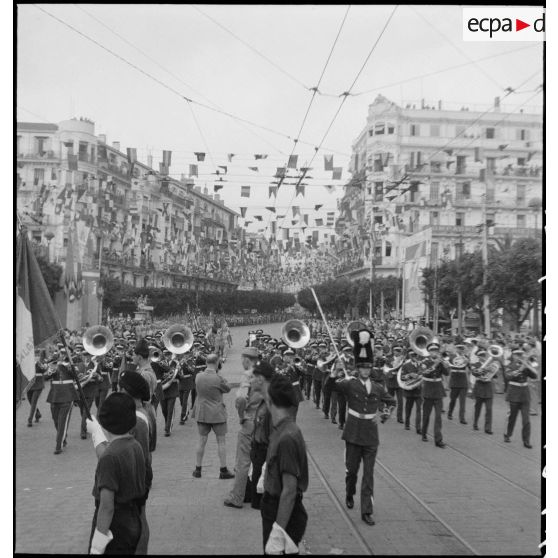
(43,156)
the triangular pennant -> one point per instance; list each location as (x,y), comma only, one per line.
(200,156)
(293,159)
(224,167)
(260,156)
(328,162)
(255,169)
(217,187)
(273,191)
(317,207)
(272,209)
(245,191)
(230,157)
(243,211)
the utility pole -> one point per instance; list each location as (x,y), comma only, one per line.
(435,299)
(373,249)
(459,294)
(485,297)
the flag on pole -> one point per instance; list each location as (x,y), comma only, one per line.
(293,160)
(200,156)
(328,162)
(273,191)
(300,190)
(243,212)
(230,157)
(131,153)
(36,319)
(272,209)
(337,173)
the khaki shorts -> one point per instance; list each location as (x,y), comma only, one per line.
(220,428)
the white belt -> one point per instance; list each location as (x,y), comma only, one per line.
(458,370)
(62,381)
(520,384)
(360,415)
(39,375)
(296,383)
(432,379)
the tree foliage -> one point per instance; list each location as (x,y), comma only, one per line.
(51,274)
(338,296)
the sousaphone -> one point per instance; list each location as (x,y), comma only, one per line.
(97,341)
(295,333)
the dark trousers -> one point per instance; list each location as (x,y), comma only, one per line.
(155,402)
(183,395)
(328,390)
(317,392)
(427,406)
(89,403)
(297,522)
(409,402)
(342,407)
(397,392)
(33,398)
(167,406)
(522,406)
(193,393)
(308,386)
(487,415)
(455,394)
(353,455)
(100,397)
(61,413)
(125,528)
(257,457)
(114,386)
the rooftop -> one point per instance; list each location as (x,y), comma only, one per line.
(36,127)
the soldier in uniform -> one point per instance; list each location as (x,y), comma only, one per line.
(117,364)
(483,392)
(361,429)
(90,389)
(185,386)
(294,374)
(61,397)
(433,392)
(169,387)
(309,369)
(518,396)
(393,363)
(458,382)
(105,369)
(36,388)
(410,370)
(318,373)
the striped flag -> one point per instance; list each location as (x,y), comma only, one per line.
(36,319)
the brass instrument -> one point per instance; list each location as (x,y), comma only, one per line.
(413,381)
(494,352)
(155,354)
(397,363)
(419,339)
(532,363)
(97,341)
(353,326)
(295,333)
(178,339)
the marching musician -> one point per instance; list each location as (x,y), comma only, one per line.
(88,367)
(393,363)
(458,381)
(483,391)
(294,374)
(105,370)
(518,396)
(61,397)
(318,373)
(361,429)
(413,397)
(169,387)
(185,385)
(433,392)
(37,385)
(309,369)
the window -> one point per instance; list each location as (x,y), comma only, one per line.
(390,128)
(434,130)
(521,161)
(40,145)
(388,249)
(460,131)
(378,220)
(369,189)
(521,134)
(464,191)
(520,199)
(378,191)
(415,130)
(378,250)
(371,132)
(490,164)
(460,164)
(356,161)
(379,129)
(490,193)
(378,163)
(434,253)
(434,191)
(490,133)
(458,250)
(434,218)
(490,220)
(460,219)
(38,176)
(521,221)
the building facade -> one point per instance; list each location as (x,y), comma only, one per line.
(447,170)
(131,222)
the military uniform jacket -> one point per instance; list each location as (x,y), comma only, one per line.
(410,367)
(186,382)
(391,377)
(116,368)
(518,393)
(484,389)
(362,431)
(91,388)
(39,380)
(317,375)
(294,374)
(62,388)
(105,370)
(459,366)
(159,371)
(432,386)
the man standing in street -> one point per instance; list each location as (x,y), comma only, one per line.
(247,401)
(211,414)
(284,518)
(361,429)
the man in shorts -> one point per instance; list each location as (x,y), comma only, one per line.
(211,414)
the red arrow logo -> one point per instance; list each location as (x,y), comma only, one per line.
(519,25)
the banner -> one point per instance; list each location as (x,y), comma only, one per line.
(416,256)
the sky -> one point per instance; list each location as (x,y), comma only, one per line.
(61,74)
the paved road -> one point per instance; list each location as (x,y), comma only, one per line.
(477,496)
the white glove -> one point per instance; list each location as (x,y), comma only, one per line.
(250,471)
(96,431)
(99,542)
(279,542)
(260,485)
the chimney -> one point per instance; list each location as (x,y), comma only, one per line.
(496,104)
(116,145)
(440,105)
(103,138)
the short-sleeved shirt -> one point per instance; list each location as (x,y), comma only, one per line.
(286,454)
(121,469)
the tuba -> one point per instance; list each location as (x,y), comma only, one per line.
(419,339)
(178,339)
(353,326)
(411,383)
(97,341)
(155,354)
(295,333)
